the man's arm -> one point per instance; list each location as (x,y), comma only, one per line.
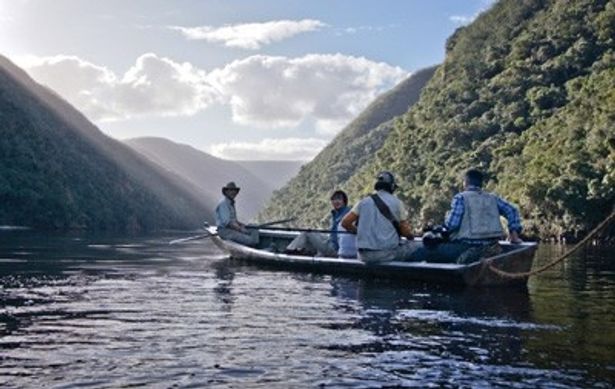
(405,229)
(349,222)
(511,214)
(453,220)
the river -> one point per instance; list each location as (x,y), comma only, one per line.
(108,312)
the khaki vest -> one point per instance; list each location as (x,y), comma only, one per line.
(481,218)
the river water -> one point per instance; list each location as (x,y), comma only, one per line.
(92,311)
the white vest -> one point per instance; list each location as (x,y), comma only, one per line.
(481,218)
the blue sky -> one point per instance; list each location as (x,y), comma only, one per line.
(239,79)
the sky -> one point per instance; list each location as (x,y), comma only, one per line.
(237,79)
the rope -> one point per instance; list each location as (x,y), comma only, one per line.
(505,274)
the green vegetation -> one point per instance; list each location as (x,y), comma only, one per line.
(526,93)
(57,170)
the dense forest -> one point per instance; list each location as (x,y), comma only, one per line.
(527,94)
(58,171)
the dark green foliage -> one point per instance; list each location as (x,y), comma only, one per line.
(307,195)
(526,93)
(58,171)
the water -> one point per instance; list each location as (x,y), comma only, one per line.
(128,312)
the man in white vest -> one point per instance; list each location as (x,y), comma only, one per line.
(474,220)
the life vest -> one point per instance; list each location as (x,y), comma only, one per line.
(481,218)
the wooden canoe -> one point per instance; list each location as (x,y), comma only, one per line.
(515,258)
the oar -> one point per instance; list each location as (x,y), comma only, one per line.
(196,237)
(209,234)
(303,230)
(271,223)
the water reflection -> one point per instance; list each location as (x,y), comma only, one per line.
(112,312)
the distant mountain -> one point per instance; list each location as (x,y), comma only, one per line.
(307,195)
(57,170)
(209,174)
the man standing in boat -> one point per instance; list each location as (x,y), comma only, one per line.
(229,228)
(383,221)
(474,223)
(316,243)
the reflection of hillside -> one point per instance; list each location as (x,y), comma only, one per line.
(478,325)
(579,296)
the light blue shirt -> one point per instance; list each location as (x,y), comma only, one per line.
(225,212)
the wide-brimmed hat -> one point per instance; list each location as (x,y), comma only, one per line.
(231,186)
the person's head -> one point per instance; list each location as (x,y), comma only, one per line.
(230,190)
(385,181)
(339,199)
(473,177)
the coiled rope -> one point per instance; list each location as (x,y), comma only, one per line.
(489,262)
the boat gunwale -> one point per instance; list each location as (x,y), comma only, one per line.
(351,262)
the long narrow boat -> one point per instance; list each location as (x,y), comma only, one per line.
(515,258)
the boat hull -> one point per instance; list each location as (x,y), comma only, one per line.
(515,259)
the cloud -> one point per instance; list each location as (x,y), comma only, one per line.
(152,86)
(262,91)
(250,35)
(267,91)
(462,20)
(297,149)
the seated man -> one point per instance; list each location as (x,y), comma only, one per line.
(229,228)
(474,223)
(383,220)
(315,243)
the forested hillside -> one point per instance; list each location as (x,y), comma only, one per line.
(307,195)
(57,170)
(209,174)
(526,93)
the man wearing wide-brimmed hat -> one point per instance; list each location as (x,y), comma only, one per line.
(229,227)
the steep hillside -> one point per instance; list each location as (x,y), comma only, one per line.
(209,174)
(527,93)
(306,196)
(57,170)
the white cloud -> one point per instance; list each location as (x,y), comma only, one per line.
(296,149)
(152,86)
(270,91)
(250,35)
(462,20)
(262,91)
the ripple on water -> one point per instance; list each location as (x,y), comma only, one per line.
(141,313)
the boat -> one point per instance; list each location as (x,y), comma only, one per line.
(514,258)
